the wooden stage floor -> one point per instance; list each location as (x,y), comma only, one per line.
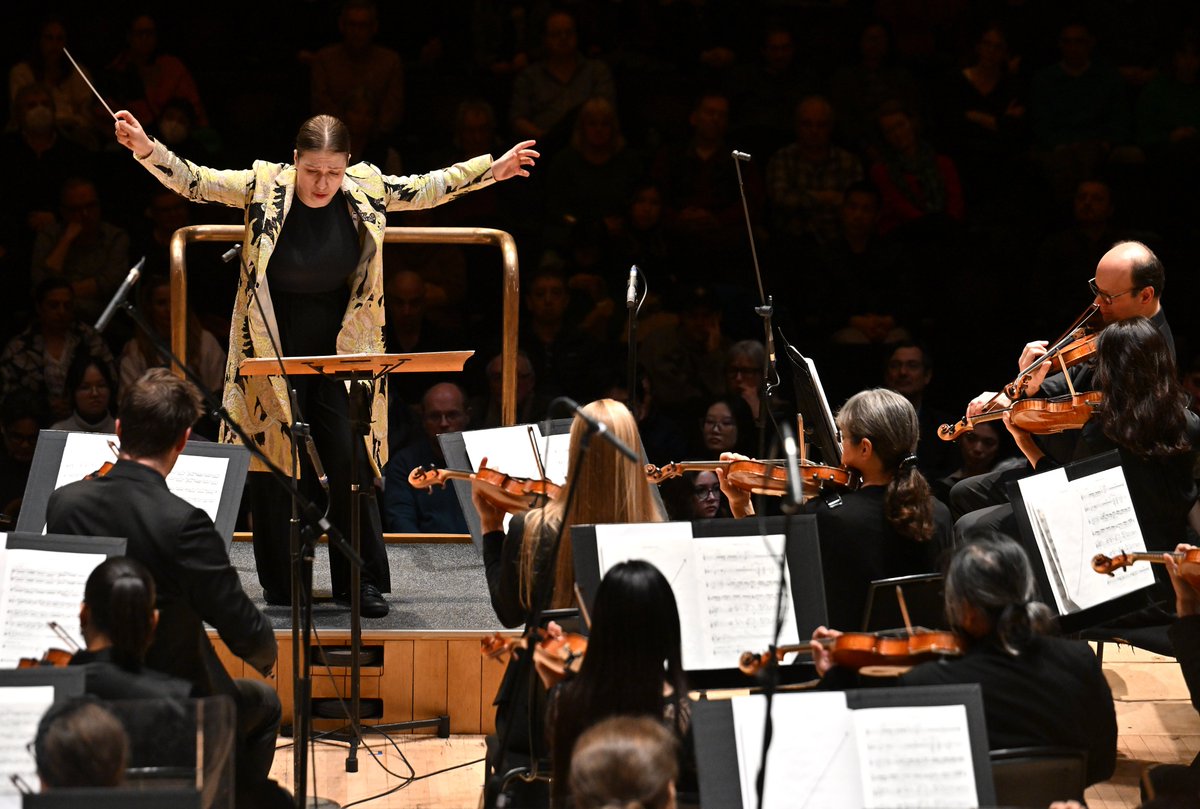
(1155,721)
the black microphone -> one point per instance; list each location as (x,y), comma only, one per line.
(742,156)
(631,290)
(791,451)
(601,429)
(230,254)
(122,293)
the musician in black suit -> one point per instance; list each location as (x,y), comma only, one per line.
(180,546)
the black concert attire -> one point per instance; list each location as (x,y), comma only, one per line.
(107,677)
(196,585)
(317,251)
(859,545)
(1052,694)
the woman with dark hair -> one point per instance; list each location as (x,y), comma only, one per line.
(1038,690)
(626,672)
(117,620)
(607,489)
(913,180)
(92,393)
(891,525)
(694,496)
(1145,417)
(312,284)
(727,426)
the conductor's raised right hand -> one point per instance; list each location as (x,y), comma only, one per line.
(131,135)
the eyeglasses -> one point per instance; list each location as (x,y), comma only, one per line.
(1104,297)
(719,424)
(101,388)
(706,492)
(744,370)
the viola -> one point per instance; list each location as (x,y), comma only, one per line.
(859,650)
(1076,345)
(506,492)
(52,657)
(1039,416)
(760,477)
(1189,563)
(552,657)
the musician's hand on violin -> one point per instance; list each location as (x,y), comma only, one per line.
(553,631)
(1067,805)
(822,654)
(1187,599)
(740,504)
(491,518)
(1032,352)
(989,400)
(131,135)
(1024,441)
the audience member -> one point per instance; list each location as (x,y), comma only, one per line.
(1038,690)
(858,91)
(21,419)
(358,68)
(436,511)
(981,450)
(727,426)
(531,405)
(693,496)
(87,251)
(641,239)
(909,371)
(624,761)
(117,620)
(624,673)
(764,92)
(565,359)
(92,391)
(178,128)
(547,93)
(662,437)
(686,365)
(807,180)
(48,65)
(914,181)
(37,359)
(142,79)
(80,743)
(204,354)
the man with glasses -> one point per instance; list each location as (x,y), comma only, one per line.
(1128,283)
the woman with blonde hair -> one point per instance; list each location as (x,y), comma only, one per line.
(602,486)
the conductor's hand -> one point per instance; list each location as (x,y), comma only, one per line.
(131,135)
(491,518)
(822,654)
(513,162)
(1187,599)
(739,499)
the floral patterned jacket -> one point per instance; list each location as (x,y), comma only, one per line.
(260,404)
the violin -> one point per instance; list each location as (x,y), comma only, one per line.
(760,477)
(1038,416)
(552,657)
(861,650)
(1076,345)
(1189,563)
(52,657)
(511,494)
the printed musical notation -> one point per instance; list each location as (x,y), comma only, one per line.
(22,709)
(726,588)
(37,587)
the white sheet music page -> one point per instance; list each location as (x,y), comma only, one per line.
(813,760)
(200,480)
(510,450)
(738,586)
(37,587)
(22,709)
(1076,520)
(83,454)
(915,757)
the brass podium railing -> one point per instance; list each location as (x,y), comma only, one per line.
(510,301)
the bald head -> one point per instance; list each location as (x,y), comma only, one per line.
(404,297)
(1129,281)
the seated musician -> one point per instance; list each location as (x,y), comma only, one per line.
(1038,690)
(80,743)
(117,620)
(633,667)
(608,489)
(624,761)
(1129,282)
(891,525)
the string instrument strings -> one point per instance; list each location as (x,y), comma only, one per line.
(1073,339)
(507,492)
(760,477)
(1038,416)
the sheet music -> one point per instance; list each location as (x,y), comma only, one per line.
(508,450)
(918,757)
(22,708)
(726,588)
(83,454)
(1077,519)
(37,587)
(200,480)
(805,769)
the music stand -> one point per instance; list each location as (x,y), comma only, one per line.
(819,423)
(361,371)
(923,595)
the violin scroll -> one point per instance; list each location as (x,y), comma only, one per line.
(1108,565)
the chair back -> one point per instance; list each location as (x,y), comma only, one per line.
(1037,776)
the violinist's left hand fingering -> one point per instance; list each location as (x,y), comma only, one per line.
(822,654)
(491,518)
(739,499)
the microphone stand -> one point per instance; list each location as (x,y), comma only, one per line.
(316,520)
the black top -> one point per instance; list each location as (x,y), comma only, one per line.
(107,679)
(183,551)
(1054,694)
(1185,637)
(317,250)
(858,546)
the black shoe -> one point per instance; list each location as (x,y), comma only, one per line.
(276,599)
(371,603)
